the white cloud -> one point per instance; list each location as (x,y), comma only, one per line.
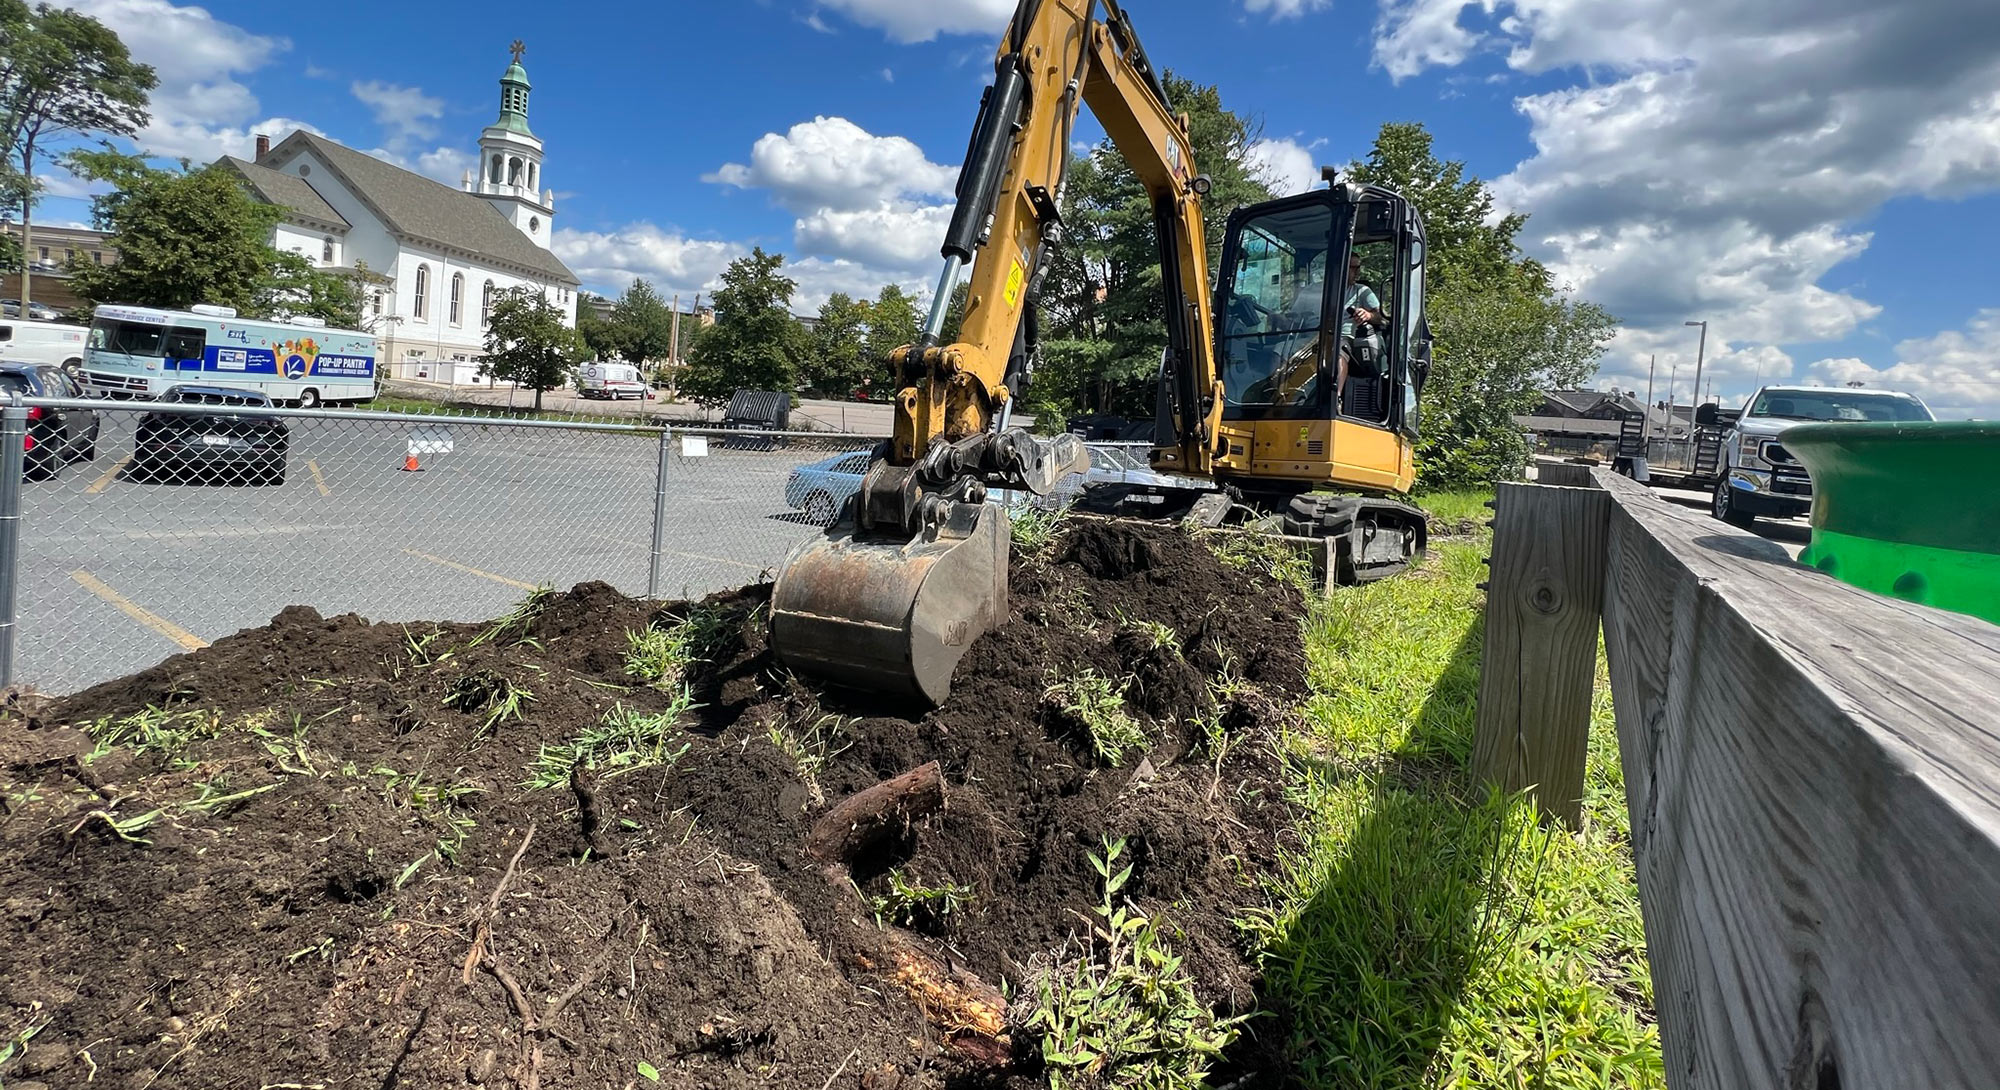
(609,261)
(830,162)
(1285,9)
(407,114)
(873,200)
(923,20)
(1287,166)
(1957,372)
(1715,161)
(199,110)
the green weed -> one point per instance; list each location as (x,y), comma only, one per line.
(516,623)
(417,649)
(1035,529)
(810,749)
(662,656)
(290,753)
(1125,1013)
(438,804)
(214,799)
(483,691)
(1267,554)
(127,829)
(910,903)
(1097,703)
(153,732)
(625,740)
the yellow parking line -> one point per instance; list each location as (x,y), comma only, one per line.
(470,570)
(319,482)
(103,482)
(188,640)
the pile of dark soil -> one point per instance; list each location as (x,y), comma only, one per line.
(316,860)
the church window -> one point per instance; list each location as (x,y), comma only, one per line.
(420,308)
(534,224)
(326,249)
(486,304)
(457,298)
(531,175)
(514,171)
(378,304)
(495,174)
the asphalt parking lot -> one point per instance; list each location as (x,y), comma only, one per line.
(117,573)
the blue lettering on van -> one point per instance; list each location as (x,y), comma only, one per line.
(238,335)
(345,366)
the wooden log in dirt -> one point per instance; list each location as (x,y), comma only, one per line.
(863,818)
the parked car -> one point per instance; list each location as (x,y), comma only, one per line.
(214,445)
(610,381)
(819,490)
(56,437)
(11,308)
(1758,475)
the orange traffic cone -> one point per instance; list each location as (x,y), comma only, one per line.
(410,464)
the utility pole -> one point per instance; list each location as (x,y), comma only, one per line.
(1651,369)
(1701,349)
(674,353)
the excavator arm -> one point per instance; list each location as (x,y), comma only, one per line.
(915,568)
(1057,55)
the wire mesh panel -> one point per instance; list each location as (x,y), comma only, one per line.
(134,548)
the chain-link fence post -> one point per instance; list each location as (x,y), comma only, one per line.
(659,516)
(13,435)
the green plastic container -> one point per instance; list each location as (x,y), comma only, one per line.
(1910,510)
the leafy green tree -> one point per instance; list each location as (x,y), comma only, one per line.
(1504,331)
(1104,312)
(197,236)
(755,342)
(838,360)
(598,334)
(893,322)
(62,73)
(528,344)
(643,324)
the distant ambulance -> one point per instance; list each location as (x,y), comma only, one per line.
(141,352)
(53,343)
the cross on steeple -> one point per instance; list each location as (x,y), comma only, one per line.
(517,49)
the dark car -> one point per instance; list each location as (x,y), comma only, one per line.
(212,445)
(56,437)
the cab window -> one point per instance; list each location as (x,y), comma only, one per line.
(132,338)
(1273,304)
(183,343)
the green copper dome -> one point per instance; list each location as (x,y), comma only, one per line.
(514,89)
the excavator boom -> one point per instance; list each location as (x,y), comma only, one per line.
(915,567)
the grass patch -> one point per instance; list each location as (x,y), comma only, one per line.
(1270,556)
(485,692)
(625,740)
(1034,529)
(660,657)
(424,406)
(1097,704)
(153,732)
(811,748)
(1425,935)
(515,624)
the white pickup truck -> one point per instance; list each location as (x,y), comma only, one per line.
(1759,477)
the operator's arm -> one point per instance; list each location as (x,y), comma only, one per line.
(1054,58)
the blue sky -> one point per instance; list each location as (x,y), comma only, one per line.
(1820,179)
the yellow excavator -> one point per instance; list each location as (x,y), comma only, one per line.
(1299,377)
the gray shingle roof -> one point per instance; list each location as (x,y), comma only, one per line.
(277,187)
(416,207)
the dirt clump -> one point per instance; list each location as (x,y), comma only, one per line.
(337,853)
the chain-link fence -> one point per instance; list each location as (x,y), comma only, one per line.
(145,529)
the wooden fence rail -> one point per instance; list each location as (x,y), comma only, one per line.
(1813,776)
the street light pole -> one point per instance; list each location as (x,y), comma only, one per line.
(1651,369)
(1701,349)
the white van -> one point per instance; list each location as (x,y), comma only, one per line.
(53,343)
(610,380)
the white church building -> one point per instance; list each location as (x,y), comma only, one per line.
(436,256)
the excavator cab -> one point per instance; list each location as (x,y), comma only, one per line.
(1320,341)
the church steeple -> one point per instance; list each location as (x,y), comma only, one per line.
(510,158)
(514,88)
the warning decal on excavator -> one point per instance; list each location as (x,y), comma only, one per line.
(1016,276)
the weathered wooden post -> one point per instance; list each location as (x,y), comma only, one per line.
(1543,605)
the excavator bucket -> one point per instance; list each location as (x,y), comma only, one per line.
(892,617)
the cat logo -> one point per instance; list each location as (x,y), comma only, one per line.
(1304,430)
